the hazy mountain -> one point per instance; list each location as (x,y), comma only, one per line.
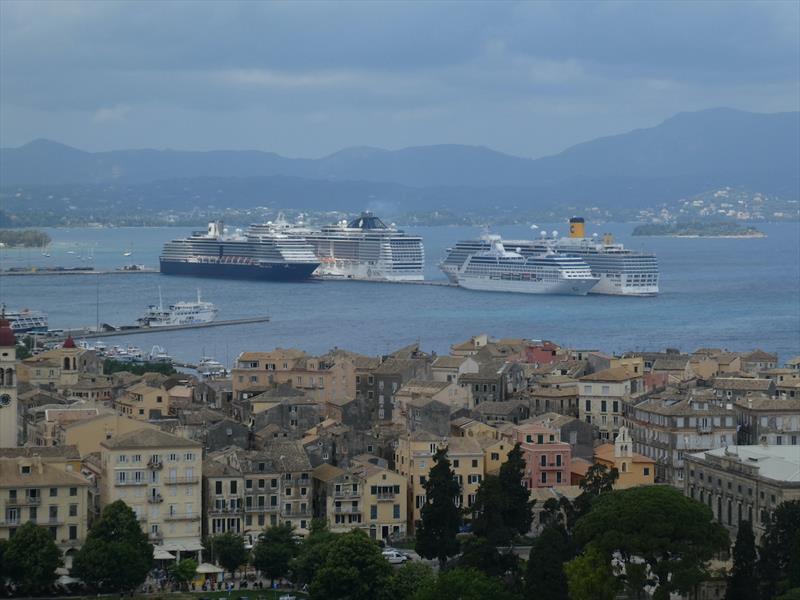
(687,153)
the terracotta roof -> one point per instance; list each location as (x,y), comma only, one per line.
(63,452)
(49,475)
(148,438)
(789,405)
(499,408)
(326,472)
(760,356)
(742,383)
(612,375)
(449,362)
(606,452)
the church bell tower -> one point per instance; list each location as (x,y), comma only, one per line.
(8,386)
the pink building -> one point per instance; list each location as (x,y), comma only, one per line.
(547,459)
(544,353)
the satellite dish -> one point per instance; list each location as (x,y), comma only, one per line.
(269,222)
(594,235)
(555,233)
(534,226)
(543,233)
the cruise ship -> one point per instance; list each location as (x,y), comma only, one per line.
(180,313)
(499,270)
(263,252)
(619,271)
(367,249)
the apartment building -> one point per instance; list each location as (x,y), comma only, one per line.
(145,400)
(634,469)
(450,368)
(743,482)
(553,393)
(414,458)
(277,485)
(45,485)
(771,421)
(223,504)
(366,496)
(668,426)
(547,459)
(159,476)
(602,396)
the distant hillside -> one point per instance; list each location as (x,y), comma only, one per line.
(686,154)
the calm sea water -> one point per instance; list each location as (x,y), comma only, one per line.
(731,293)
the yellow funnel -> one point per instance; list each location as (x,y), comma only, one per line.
(576,227)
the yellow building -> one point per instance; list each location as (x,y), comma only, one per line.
(44,485)
(87,434)
(59,368)
(159,476)
(364,496)
(634,469)
(414,458)
(144,400)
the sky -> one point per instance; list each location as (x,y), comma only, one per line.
(309,78)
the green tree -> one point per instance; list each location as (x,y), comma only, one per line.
(481,554)
(354,569)
(590,577)
(228,550)
(742,582)
(465,584)
(598,480)
(3,567)
(779,556)
(312,552)
(116,555)
(183,572)
(654,531)
(503,508)
(412,577)
(441,518)
(31,558)
(545,578)
(274,550)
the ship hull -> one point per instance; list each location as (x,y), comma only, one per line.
(567,287)
(263,272)
(617,286)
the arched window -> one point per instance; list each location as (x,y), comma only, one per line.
(2,377)
(66,363)
(730,512)
(9,377)
(719,508)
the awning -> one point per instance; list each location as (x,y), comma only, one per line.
(160,554)
(207,568)
(180,546)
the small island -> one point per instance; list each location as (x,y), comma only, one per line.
(718,229)
(23,238)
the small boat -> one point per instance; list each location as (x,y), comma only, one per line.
(26,320)
(208,367)
(129,251)
(180,313)
(159,354)
(45,253)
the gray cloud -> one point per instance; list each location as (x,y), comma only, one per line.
(308,78)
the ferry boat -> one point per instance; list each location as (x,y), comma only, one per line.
(367,249)
(263,252)
(619,271)
(26,320)
(209,367)
(499,270)
(180,313)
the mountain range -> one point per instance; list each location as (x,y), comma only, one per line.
(688,153)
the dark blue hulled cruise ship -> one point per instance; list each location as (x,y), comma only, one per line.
(263,252)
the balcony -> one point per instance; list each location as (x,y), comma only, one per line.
(346,494)
(550,466)
(155,465)
(261,509)
(25,501)
(180,480)
(157,499)
(10,523)
(346,510)
(176,516)
(155,535)
(225,510)
(385,496)
(127,482)
(705,429)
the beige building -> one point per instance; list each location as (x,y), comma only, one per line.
(159,476)
(44,485)
(144,400)
(87,434)
(602,396)
(223,504)
(364,496)
(9,400)
(634,469)
(59,368)
(414,459)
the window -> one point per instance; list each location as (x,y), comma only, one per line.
(543,460)
(544,477)
(373,511)
(474,463)
(455,463)
(647,471)
(588,406)
(189,457)
(53,492)
(73,532)
(73,510)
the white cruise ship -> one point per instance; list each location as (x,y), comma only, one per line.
(366,248)
(180,313)
(619,271)
(25,320)
(499,270)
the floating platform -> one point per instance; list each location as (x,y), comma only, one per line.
(76,271)
(136,329)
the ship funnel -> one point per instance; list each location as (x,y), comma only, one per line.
(215,229)
(577,227)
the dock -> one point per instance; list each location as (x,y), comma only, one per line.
(44,271)
(434,282)
(136,330)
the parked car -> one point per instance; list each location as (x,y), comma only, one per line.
(394,557)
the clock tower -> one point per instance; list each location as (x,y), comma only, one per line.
(8,385)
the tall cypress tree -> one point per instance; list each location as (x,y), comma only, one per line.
(441,518)
(742,582)
(518,513)
(545,578)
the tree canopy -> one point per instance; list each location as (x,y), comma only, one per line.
(441,518)
(31,558)
(779,564)
(183,571)
(116,555)
(354,569)
(312,552)
(545,578)
(464,584)
(274,550)
(228,549)
(661,537)
(409,579)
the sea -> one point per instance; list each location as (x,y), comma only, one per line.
(737,294)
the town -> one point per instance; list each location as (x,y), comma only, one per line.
(290,446)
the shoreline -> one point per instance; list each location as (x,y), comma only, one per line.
(742,236)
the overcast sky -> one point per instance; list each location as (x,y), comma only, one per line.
(307,79)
